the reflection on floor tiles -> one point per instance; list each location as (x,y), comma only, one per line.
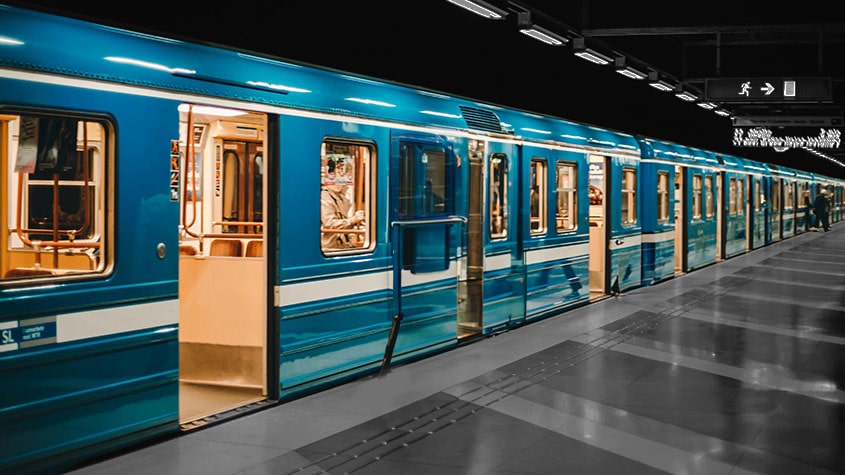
(734,369)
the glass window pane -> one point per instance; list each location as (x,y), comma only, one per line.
(662,197)
(537,198)
(696,196)
(346,197)
(57,168)
(566,214)
(498,198)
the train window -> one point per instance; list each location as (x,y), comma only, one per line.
(709,204)
(57,196)
(788,196)
(425,189)
(775,201)
(498,199)
(740,197)
(732,197)
(242,185)
(696,196)
(566,215)
(758,195)
(538,196)
(629,197)
(662,197)
(346,197)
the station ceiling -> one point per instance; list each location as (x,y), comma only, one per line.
(439,46)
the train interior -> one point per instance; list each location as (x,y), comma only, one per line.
(219,166)
(598,227)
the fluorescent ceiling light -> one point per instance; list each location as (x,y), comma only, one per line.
(684,95)
(482,8)
(655,82)
(544,35)
(580,50)
(627,71)
(527,27)
(371,102)
(722,112)
(707,105)
(661,86)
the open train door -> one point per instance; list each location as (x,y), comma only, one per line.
(680,222)
(218,170)
(598,226)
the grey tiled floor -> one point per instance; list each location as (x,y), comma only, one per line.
(737,368)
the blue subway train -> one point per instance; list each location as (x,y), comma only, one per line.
(194,232)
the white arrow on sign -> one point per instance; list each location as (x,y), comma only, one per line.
(768,89)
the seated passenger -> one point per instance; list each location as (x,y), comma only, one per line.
(335,215)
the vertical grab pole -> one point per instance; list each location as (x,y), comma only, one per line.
(397,297)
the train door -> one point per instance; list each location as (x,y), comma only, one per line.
(218,176)
(426,233)
(721,209)
(774,208)
(471,287)
(680,221)
(503,264)
(598,226)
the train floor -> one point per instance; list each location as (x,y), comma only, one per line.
(736,368)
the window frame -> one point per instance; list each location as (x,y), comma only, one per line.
(663,213)
(628,206)
(98,133)
(538,178)
(570,195)
(501,187)
(366,196)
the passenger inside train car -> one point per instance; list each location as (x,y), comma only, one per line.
(344,197)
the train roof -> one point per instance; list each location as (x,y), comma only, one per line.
(673,152)
(42,42)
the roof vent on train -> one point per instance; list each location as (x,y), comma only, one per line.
(482,119)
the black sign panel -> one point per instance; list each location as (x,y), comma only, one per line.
(786,137)
(767,89)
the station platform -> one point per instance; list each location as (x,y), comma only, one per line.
(737,368)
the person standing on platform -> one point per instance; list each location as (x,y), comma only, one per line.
(821,207)
(808,207)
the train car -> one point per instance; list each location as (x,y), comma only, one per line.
(661,224)
(173,255)
(192,233)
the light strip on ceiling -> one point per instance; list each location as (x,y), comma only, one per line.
(481,8)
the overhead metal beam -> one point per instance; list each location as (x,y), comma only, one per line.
(709,30)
